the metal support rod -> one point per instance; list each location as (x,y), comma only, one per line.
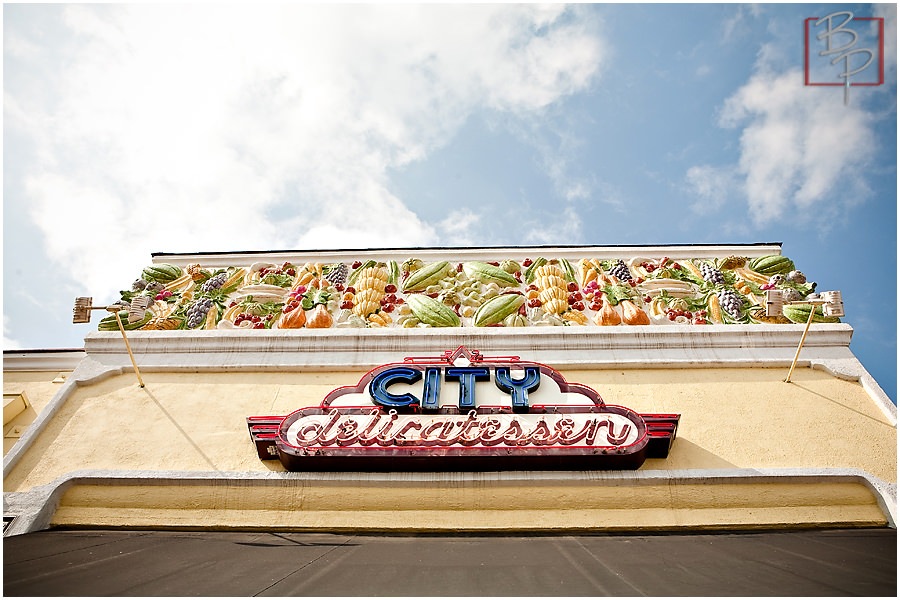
(802,339)
(128,347)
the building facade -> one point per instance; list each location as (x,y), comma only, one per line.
(561,389)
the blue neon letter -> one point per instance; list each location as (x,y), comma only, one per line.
(378,387)
(432,393)
(518,388)
(467,376)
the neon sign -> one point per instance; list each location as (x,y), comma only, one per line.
(462,411)
(467,378)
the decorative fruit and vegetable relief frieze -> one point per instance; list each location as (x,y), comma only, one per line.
(509,293)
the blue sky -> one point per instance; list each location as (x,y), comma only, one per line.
(165,128)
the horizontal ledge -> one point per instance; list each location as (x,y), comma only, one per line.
(462,254)
(650,346)
(500,339)
(610,477)
(42,360)
(34,509)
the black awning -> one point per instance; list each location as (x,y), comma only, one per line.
(205,563)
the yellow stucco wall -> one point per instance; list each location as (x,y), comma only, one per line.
(731,418)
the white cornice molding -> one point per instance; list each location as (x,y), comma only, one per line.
(42,360)
(654,346)
(499,253)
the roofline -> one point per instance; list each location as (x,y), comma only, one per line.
(39,350)
(42,359)
(464,248)
(467,253)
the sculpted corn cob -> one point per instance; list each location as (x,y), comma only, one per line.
(181,283)
(212,317)
(381,319)
(236,277)
(159,323)
(715,309)
(575,316)
(370,286)
(690,266)
(531,270)
(231,312)
(750,275)
(552,292)
(568,270)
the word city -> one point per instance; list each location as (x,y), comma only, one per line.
(467,377)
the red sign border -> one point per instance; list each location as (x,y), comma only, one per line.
(656,433)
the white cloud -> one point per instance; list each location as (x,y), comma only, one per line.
(9,343)
(578,190)
(803,152)
(888,12)
(800,147)
(190,128)
(612,196)
(734,26)
(556,163)
(711,186)
(458,227)
(567,226)
(560,152)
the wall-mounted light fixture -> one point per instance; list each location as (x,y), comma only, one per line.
(831,303)
(834,305)
(81,313)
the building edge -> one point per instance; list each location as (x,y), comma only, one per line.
(33,510)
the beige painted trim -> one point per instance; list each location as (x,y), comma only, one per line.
(14,405)
(497,501)
(520,507)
